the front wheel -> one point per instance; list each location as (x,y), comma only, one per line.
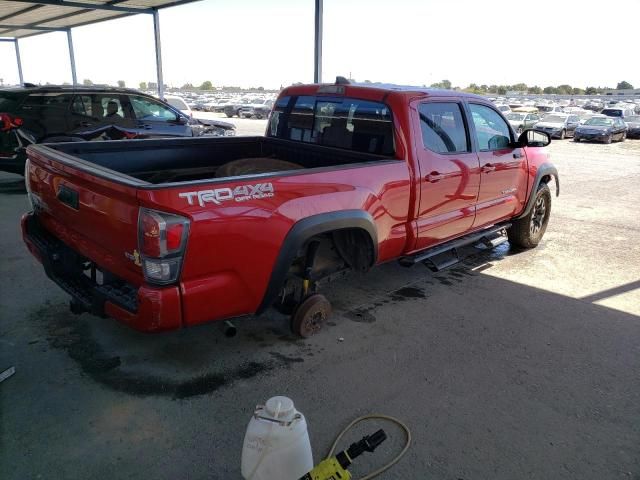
(526,232)
(563,134)
(624,137)
(609,139)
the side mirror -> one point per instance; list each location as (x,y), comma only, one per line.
(534,138)
(183,120)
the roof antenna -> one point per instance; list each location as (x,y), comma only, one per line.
(342,81)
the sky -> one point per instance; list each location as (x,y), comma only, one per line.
(269,43)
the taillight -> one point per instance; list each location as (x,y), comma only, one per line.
(162,239)
(9,122)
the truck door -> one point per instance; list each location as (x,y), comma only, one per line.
(449,172)
(503,168)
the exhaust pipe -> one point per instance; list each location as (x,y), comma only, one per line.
(230,329)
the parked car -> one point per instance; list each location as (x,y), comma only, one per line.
(180,104)
(71,114)
(504,108)
(601,128)
(177,232)
(232,108)
(558,125)
(259,109)
(633,126)
(522,121)
(620,112)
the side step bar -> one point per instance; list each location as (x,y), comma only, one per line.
(446,255)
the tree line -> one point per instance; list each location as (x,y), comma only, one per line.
(534,90)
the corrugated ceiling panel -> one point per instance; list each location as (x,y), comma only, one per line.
(90,16)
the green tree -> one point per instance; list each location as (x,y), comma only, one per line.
(550,90)
(535,90)
(87,82)
(502,90)
(578,91)
(520,87)
(446,84)
(143,85)
(187,86)
(565,89)
(121,84)
(624,86)
(591,91)
(206,85)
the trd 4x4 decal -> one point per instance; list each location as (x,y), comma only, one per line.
(239,194)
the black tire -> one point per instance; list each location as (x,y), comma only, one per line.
(609,139)
(563,134)
(311,316)
(576,139)
(229,114)
(624,137)
(527,232)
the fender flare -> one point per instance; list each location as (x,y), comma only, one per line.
(302,231)
(546,169)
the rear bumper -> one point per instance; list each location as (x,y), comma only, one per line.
(143,308)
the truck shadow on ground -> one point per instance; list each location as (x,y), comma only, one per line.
(201,359)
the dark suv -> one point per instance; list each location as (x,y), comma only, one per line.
(47,114)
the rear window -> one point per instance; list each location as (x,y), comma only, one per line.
(348,123)
(612,112)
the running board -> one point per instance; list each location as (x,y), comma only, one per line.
(446,255)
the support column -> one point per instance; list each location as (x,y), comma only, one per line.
(156,30)
(317,52)
(18,61)
(72,58)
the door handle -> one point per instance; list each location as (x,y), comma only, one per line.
(518,154)
(85,124)
(434,177)
(488,168)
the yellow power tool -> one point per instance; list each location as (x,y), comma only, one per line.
(335,468)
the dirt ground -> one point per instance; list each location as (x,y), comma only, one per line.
(510,365)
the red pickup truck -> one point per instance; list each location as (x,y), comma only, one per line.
(162,234)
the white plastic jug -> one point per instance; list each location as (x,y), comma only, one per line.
(276,445)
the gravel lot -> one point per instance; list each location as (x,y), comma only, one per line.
(513,365)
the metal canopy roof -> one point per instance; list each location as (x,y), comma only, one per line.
(25,18)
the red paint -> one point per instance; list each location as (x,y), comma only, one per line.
(419,201)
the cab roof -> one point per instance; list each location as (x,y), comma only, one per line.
(372,90)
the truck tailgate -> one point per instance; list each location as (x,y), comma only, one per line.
(94,215)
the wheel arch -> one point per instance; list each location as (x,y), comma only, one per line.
(308,228)
(544,174)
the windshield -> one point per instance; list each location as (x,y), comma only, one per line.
(177,103)
(612,112)
(554,119)
(515,116)
(599,121)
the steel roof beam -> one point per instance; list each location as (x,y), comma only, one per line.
(34,27)
(88,6)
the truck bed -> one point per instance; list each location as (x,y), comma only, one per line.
(161,162)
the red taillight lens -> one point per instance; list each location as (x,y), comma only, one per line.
(174,236)
(9,122)
(162,240)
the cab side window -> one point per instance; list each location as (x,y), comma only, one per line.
(443,129)
(491,131)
